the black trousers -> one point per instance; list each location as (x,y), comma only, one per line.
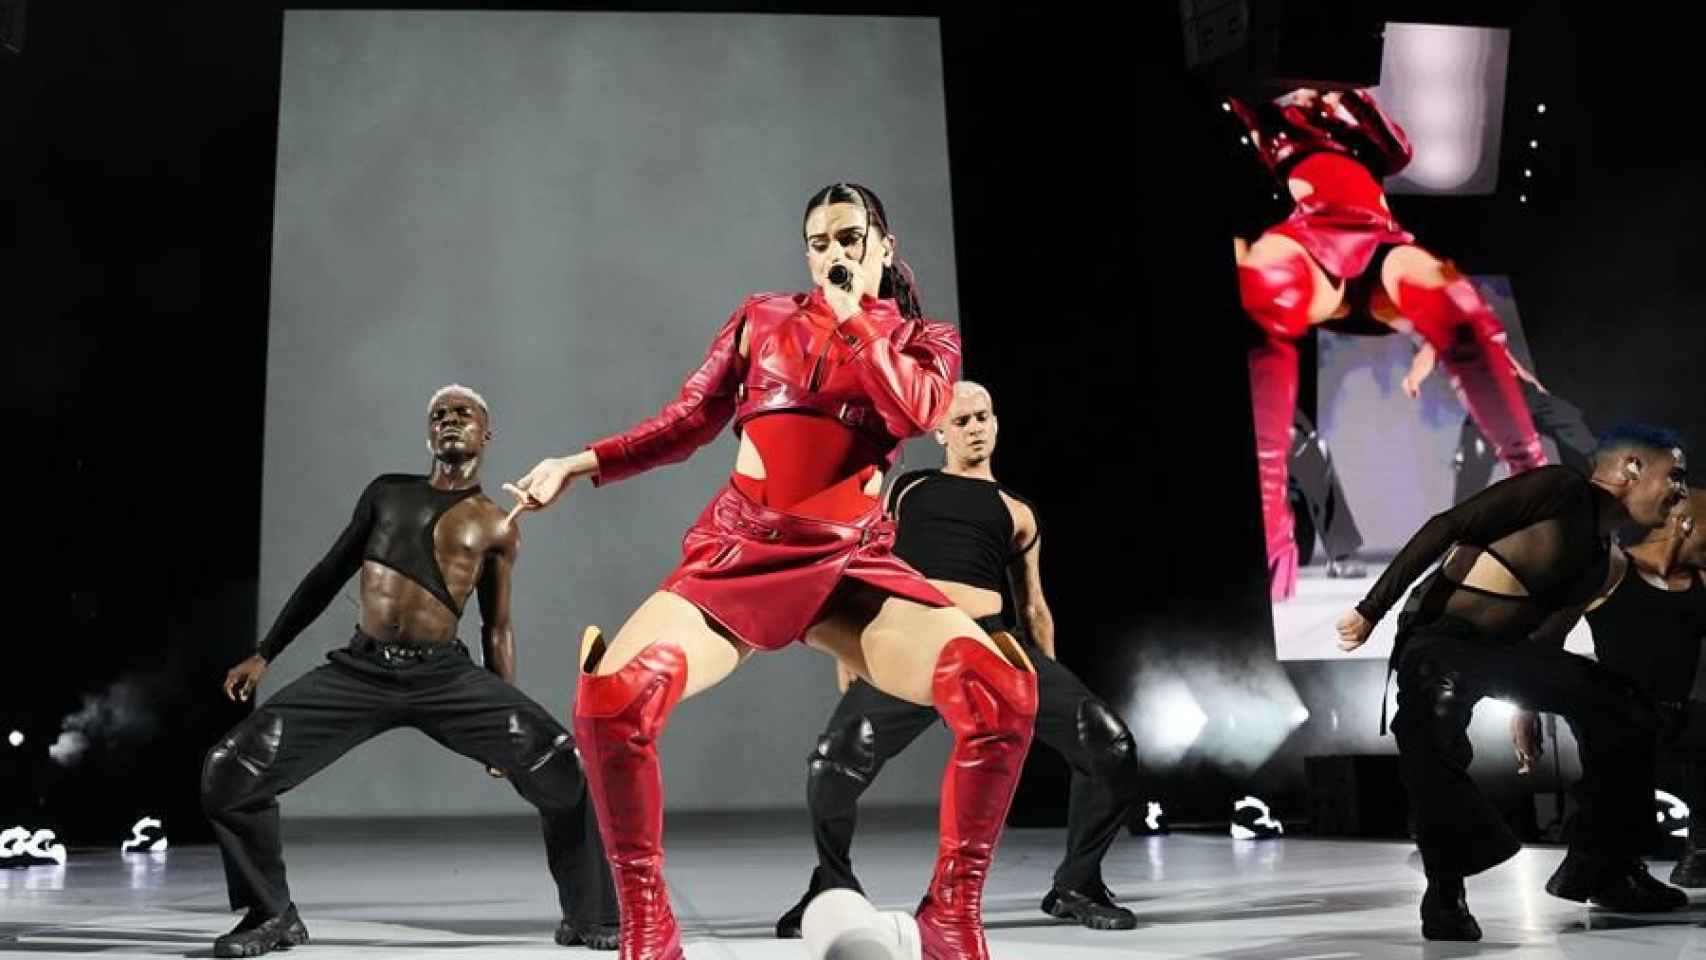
(357,696)
(1311,468)
(870,728)
(1444,668)
(1554,417)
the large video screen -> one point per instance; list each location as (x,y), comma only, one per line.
(1412,362)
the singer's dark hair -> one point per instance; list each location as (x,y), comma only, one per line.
(898,284)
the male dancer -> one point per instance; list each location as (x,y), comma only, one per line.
(967,534)
(422,545)
(1649,631)
(1523,557)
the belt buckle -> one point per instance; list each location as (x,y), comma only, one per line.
(850,414)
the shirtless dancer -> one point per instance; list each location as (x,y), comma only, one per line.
(422,545)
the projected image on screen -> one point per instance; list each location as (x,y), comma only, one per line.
(560,210)
(1425,392)
(1392,446)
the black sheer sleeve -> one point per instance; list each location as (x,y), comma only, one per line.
(1501,509)
(317,590)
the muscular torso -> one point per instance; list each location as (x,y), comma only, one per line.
(421,552)
(395,607)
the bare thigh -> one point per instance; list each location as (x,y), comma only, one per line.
(1415,265)
(667,618)
(894,643)
(1271,248)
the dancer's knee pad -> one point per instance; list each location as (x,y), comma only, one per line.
(237,763)
(1109,747)
(535,739)
(1434,702)
(543,753)
(846,756)
(1277,295)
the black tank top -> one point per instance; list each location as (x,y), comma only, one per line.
(956,528)
(1652,636)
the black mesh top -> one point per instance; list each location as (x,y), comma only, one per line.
(392,525)
(1542,525)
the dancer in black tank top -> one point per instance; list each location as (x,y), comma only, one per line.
(1518,564)
(980,544)
(1650,631)
(422,546)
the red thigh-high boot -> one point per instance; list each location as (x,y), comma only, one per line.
(618,718)
(1469,339)
(1276,296)
(1273,399)
(990,705)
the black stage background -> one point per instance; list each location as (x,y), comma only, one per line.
(1094,189)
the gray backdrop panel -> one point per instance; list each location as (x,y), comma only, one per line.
(559,209)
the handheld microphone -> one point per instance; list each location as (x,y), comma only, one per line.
(840,276)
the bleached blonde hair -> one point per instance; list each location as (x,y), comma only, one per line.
(469,392)
(971,388)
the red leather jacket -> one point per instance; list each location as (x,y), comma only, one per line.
(1357,128)
(893,381)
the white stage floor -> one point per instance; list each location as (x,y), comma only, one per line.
(478,889)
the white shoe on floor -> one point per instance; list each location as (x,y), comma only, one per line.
(841,924)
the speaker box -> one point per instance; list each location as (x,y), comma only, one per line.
(1359,795)
(12,26)
(1259,47)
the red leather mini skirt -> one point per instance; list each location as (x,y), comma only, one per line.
(765,575)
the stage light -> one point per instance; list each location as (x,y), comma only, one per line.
(1534,144)
(20,847)
(1672,810)
(1244,140)
(1182,719)
(1300,716)
(1527,172)
(1522,199)
(1252,820)
(1540,108)
(16,738)
(1226,106)
(147,835)
(1504,710)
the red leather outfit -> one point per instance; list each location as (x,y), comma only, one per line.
(827,405)
(1341,152)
